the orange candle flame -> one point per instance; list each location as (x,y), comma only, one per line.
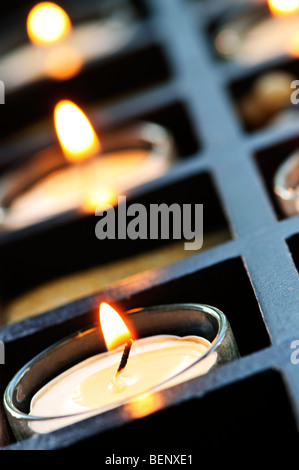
(47,23)
(283,7)
(114,329)
(75,133)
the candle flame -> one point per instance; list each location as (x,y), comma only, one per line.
(75,133)
(114,329)
(47,23)
(283,7)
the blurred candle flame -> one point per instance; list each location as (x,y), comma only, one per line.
(47,23)
(114,329)
(75,133)
(283,7)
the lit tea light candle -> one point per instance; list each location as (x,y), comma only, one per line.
(112,378)
(86,175)
(130,372)
(58,49)
(257,34)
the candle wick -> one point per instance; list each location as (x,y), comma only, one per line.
(125,357)
(118,384)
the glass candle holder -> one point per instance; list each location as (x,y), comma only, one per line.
(180,322)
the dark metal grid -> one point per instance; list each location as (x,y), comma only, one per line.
(259,239)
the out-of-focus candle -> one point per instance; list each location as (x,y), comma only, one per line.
(155,362)
(90,174)
(267,99)
(58,49)
(252,38)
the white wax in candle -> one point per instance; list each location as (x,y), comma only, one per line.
(67,189)
(87,386)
